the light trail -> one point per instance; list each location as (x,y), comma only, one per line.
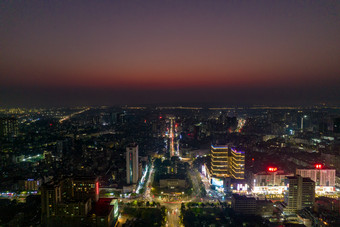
(73,114)
(141,182)
(172,147)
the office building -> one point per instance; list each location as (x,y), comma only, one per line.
(29,184)
(227,162)
(85,187)
(50,197)
(271,181)
(237,164)
(300,194)
(74,208)
(264,208)
(219,161)
(132,164)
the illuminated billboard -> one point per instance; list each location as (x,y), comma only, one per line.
(268,190)
(217,182)
(318,166)
(324,189)
(204,172)
(272,169)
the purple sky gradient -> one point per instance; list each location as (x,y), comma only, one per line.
(154,46)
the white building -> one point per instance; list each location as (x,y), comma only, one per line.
(271,181)
(321,177)
(132,164)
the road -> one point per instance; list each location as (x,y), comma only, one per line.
(73,114)
(172,137)
(196,181)
(172,208)
(147,192)
(173,213)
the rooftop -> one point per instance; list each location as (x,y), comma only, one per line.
(102,207)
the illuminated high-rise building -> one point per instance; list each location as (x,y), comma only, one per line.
(220,161)
(132,164)
(237,164)
(227,162)
(300,194)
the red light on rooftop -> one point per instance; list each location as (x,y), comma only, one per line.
(272,169)
(160,117)
(318,166)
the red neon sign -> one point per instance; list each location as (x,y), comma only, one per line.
(318,166)
(272,169)
(97,188)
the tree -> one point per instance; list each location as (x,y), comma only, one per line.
(157,163)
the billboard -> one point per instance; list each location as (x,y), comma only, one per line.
(204,172)
(217,182)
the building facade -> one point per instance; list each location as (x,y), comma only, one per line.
(227,162)
(237,164)
(219,161)
(300,194)
(85,187)
(132,164)
(8,126)
(73,202)
(50,198)
(270,181)
(321,177)
(242,204)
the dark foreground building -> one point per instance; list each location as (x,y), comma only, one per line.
(74,202)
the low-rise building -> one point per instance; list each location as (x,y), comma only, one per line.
(172,183)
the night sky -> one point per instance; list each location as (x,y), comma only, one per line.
(55,53)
